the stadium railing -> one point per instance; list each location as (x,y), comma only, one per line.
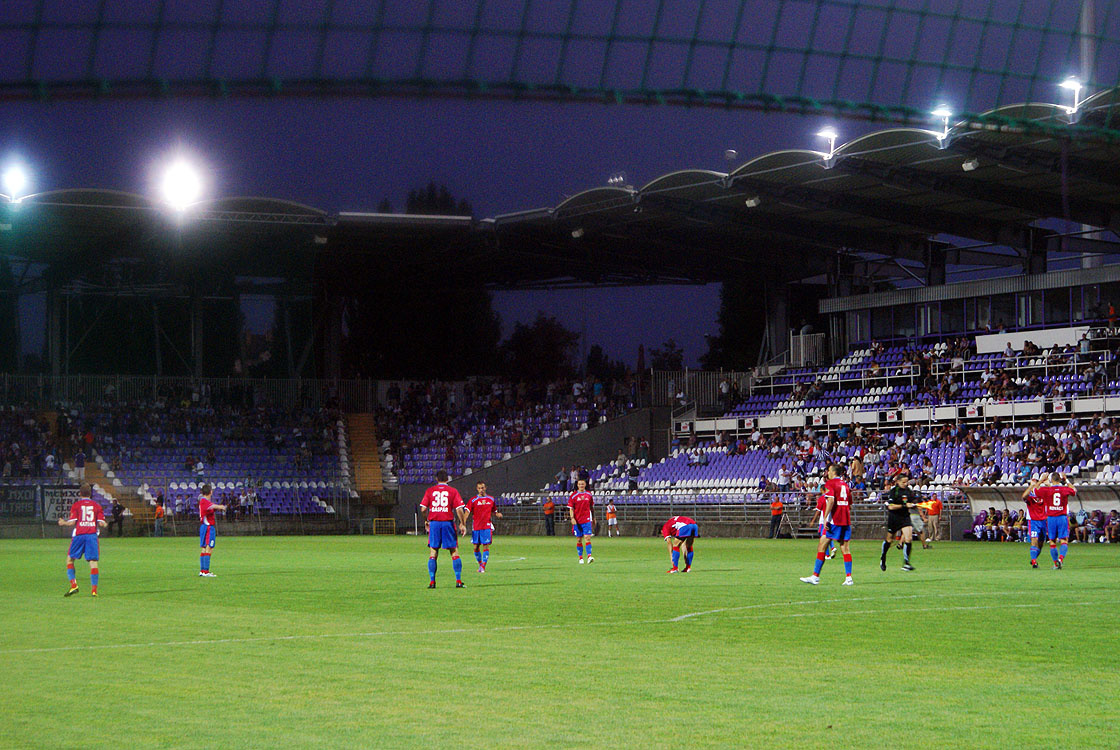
(653,506)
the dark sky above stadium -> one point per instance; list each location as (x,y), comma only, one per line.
(348,154)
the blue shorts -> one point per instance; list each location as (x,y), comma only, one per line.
(1057,527)
(84,545)
(485,536)
(688,530)
(441,535)
(582,529)
(838,533)
(820,529)
(1038,530)
(207,535)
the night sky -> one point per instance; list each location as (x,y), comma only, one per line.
(348,154)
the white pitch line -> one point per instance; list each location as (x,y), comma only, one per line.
(690,615)
(514,628)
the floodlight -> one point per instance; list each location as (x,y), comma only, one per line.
(944,113)
(731,154)
(1071,83)
(753,202)
(181,185)
(15,181)
(577,233)
(1074,85)
(970,165)
(830,135)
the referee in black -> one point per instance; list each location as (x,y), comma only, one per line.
(899,499)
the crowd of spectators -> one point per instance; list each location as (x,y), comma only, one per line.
(27,447)
(995,525)
(455,419)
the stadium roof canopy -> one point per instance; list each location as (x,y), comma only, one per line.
(898,203)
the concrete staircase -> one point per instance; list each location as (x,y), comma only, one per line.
(98,473)
(365,455)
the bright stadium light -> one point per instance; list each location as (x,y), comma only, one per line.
(753,202)
(830,135)
(181,185)
(944,113)
(1074,85)
(15,181)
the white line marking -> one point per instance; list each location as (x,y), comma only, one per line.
(690,615)
(609,623)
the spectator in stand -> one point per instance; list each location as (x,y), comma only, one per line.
(1112,527)
(80,465)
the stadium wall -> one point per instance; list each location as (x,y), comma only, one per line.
(532,470)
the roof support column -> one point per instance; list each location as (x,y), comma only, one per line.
(1034,262)
(935,262)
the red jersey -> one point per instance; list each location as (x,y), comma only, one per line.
(441,500)
(580,503)
(673,525)
(206,511)
(87,513)
(822,503)
(1055,499)
(842,510)
(481,506)
(1036,507)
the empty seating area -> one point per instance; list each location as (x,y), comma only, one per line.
(278,462)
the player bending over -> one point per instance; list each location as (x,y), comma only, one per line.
(678,531)
(1055,497)
(481,507)
(579,505)
(207,529)
(838,524)
(900,499)
(1036,511)
(86,516)
(441,504)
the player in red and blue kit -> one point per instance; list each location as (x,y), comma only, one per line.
(207,529)
(822,503)
(1056,499)
(1036,511)
(838,524)
(441,504)
(680,530)
(86,516)
(583,525)
(481,508)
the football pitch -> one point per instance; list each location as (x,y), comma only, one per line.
(336,642)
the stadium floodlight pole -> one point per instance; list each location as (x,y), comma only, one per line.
(1072,84)
(944,113)
(830,135)
(15,182)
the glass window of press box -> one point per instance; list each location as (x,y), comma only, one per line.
(1037,309)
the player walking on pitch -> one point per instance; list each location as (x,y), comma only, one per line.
(838,524)
(207,529)
(579,506)
(481,507)
(678,531)
(899,500)
(86,516)
(1036,512)
(441,504)
(818,518)
(1056,499)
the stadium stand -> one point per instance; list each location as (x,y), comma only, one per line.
(426,428)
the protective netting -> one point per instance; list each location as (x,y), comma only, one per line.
(887,60)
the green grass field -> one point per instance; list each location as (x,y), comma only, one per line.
(336,642)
